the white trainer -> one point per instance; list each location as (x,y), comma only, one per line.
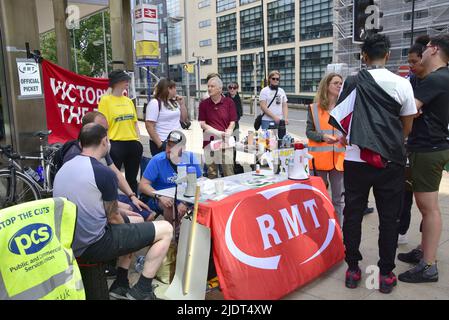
(402,239)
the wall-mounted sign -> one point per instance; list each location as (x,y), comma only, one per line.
(29,78)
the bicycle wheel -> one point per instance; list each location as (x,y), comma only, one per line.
(25,190)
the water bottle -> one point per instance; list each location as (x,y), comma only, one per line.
(40,172)
(140,261)
(191,182)
(32,174)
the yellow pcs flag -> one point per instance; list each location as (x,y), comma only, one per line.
(190,68)
(147,49)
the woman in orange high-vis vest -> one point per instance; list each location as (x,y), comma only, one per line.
(328,153)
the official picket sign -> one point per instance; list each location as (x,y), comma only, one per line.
(270,241)
(29,78)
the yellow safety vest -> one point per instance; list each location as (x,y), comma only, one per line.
(37,260)
(326,156)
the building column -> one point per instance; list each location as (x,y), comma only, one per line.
(118,50)
(128,35)
(26,116)
(62,33)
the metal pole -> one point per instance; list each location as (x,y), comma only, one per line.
(413,23)
(254,106)
(186,40)
(104,46)
(168,51)
(74,51)
(149,84)
(198,83)
(264,46)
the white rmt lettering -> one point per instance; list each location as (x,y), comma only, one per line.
(76,113)
(291,222)
(310,205)
(267,230)
(63,108)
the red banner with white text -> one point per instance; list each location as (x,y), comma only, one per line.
(270,241)
(68,97)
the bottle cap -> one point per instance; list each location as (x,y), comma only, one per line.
(191,169)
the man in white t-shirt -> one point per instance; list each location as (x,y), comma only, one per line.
(383,108)
(278,110)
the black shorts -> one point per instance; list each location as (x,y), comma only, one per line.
(120,240)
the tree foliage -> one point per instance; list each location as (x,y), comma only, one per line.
(89,45)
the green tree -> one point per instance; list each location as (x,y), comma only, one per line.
(89,45)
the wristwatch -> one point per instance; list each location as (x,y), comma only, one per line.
(157,196)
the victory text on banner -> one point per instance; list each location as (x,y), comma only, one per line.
(68,97)
(270,241)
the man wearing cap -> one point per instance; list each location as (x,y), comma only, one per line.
(162,173)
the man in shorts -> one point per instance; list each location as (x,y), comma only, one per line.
(101,232)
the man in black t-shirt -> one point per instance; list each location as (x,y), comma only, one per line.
(429,148)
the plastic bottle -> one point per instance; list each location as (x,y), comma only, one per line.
(191,182)
(140,261)
(32,174)
(40,172)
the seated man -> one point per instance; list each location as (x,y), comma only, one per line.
(161,173)
(128,203)
(101,234)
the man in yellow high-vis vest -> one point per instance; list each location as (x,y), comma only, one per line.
(37,261)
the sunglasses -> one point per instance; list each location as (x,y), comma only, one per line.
(232,88)
(275,79)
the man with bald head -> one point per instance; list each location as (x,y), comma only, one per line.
(101,232)
(217,117)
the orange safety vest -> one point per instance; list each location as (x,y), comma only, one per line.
(325,156)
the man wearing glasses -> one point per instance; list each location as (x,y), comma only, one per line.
(273,102)
(429,148)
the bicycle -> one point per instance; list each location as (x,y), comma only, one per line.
(17,185)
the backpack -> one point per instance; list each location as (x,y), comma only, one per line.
(58,158)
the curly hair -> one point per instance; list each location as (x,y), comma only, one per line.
(376,46)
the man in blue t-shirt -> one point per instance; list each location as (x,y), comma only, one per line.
(162,172)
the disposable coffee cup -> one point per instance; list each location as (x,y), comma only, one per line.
(219,187)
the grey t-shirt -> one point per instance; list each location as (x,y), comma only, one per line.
(75,150)
(87,183)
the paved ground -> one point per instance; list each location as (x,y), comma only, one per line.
(331,284)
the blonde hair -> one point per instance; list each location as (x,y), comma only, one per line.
(321,96)
(272,73)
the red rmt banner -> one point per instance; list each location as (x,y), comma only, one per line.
(271,241)
(68,97)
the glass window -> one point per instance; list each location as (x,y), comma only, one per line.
(203,4)
(227,33)
(284,62)
(227,68)
(316,19)
(251,32)
(281,22)
(205,23)
(206,43)
(242,2)
(223,5)
(247,67)
(314,61)
(174,29)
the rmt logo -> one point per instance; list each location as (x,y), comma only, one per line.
(30,239)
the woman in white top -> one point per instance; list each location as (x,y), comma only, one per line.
(164,114)
(278,110)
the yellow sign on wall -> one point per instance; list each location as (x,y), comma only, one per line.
(148,49)
(190,68)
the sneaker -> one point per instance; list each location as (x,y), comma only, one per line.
(402,239)
(413,256)
(387,283)
(136,294)
(110,271)
(368,211)
(118,292)
(353,278)
(421,273)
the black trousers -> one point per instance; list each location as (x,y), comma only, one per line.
(129,154)
(388,189)
(406,213)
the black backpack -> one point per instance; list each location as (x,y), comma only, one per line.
(58,158)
